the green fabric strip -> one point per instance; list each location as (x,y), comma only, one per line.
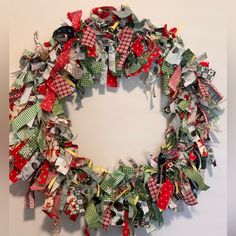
(92,217)
(57,108)
(25,117)
(195,176)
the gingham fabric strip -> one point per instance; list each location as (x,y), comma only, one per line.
(183,104)
(25,117)
(189,198)
(62,87)
(25,132)
(58,108)
(19,82)
(92,217)
(89,37)
(86,79)
(153,188)
(112,181)
(195,176)
(125,38)
(129,171)
(106,218)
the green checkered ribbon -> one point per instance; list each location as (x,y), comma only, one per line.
(195,176)
(97,68)
(93,219)
(25,117)
(128,171)
(26,133)
(168,70)
(58,107)
(88,64)
(188,56)
(112,181)
(86,79)
(183,105)
(19,81)
(109,198)
(29,149)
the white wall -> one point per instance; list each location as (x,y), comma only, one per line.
(119,123)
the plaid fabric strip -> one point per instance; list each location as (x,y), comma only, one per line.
(153,188)
(183,104)
(106,218)
(203,89)
(125,40)
(189,198)
(62,87)
(89,37)
(195,176)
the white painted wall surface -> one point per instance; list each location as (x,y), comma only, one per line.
(113,124)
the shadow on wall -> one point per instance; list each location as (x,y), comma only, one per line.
(19,190)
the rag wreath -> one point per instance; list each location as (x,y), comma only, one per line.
(108,45)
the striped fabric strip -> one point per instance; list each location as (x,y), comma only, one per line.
(195,176)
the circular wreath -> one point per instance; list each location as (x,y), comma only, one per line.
(108,45)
